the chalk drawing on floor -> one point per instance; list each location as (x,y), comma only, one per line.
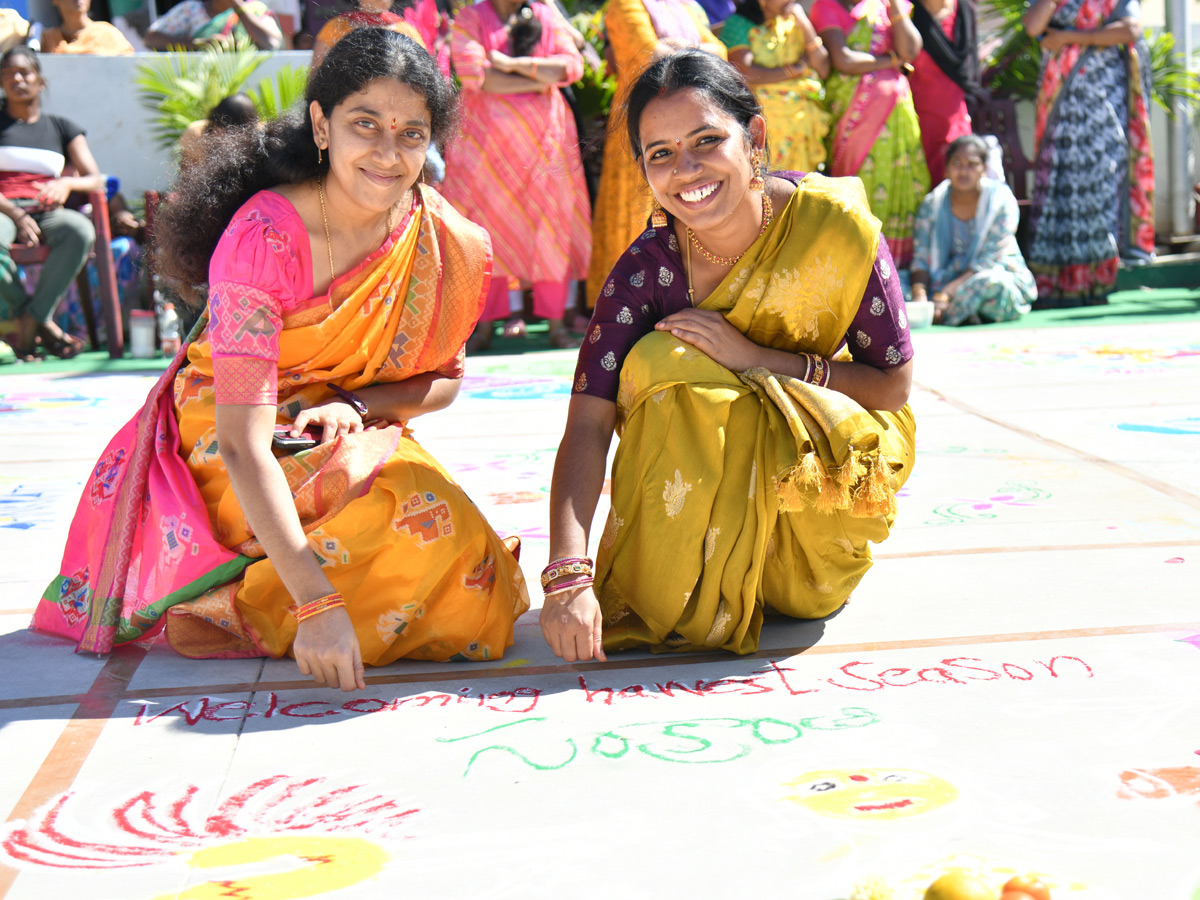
(1187,426)
(1160,783)
(1007,496)
(543,747)
(869,794)
(41,504)
(316,837)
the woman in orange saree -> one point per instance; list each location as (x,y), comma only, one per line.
(360,549)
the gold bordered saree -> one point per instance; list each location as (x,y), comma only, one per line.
(735,492)
(159,536)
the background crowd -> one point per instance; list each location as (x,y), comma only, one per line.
(877,89)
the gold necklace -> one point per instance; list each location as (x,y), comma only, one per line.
(767,212)
(325,221)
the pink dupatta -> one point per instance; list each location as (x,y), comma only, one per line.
(867,28)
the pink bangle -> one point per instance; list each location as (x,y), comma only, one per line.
(568,585)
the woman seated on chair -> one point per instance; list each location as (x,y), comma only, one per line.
(195,24)
(752,351)
(35,148)
(341,294)
(965,249)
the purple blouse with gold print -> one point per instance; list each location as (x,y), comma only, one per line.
(649,283)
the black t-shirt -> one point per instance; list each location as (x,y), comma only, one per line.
(32,152)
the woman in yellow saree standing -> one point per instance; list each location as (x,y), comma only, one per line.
(638,32)
(341,295)
(752,351)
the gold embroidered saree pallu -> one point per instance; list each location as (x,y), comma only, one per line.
(423,573)
(734,492)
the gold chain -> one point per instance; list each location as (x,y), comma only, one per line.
(733,260)
(325,222)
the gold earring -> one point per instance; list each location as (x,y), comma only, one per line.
(756,179)
(318,154)
(658,218)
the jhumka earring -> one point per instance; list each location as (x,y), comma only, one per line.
(658,218)
(756,163)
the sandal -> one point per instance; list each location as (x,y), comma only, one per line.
(481,338)
(58,343)
(514,328)
(561,339)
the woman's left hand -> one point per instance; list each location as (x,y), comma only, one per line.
(337,418)
(501,62)
(52,194)
(1054,39)
(708,331)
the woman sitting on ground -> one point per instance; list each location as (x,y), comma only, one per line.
(78,33)
(965,249)
(341,297)
(35,148)
(194,24)
(778,52)
(752,351)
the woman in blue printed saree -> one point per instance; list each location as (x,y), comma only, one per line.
(1093,193)
(965,249)
(751,350)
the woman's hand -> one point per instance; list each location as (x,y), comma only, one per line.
(1054,39)
(337,418)
(571,623)
(327,649)
(501,62)
(28,231)
(52,194)
(708,331)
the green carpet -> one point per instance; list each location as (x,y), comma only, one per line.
(1124,307)
(83,364)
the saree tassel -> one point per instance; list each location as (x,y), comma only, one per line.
(874,495)
(832,496)
(791,496)
(810,470)
(851,471)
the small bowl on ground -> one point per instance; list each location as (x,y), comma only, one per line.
(920,313)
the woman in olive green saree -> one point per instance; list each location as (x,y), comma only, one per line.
(761,397)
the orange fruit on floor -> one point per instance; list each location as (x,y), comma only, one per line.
(960,886)
(1030,884)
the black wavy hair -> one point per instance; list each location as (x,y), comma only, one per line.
(232,112)
(968,142)
(712,76)
(240,162)
(750,9)
(29,53)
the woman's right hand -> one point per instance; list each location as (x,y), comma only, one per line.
(335,419)
(326,648)
(571,623)
(27,229)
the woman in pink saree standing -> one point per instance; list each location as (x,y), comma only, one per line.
(516,169)
(871,43)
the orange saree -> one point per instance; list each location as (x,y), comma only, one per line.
(423,574)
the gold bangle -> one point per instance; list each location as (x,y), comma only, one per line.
(814,44)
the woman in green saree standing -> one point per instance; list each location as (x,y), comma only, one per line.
(751,349)
(875,134)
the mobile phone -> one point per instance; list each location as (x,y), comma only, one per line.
(284,441)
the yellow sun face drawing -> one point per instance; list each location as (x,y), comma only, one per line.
(868,794)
